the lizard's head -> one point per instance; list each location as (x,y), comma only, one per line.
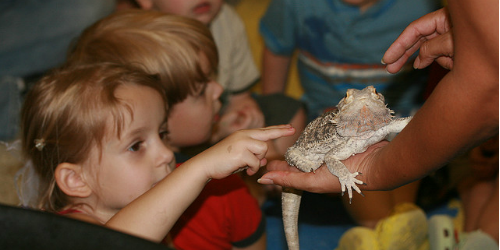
(361,111)
(355,99)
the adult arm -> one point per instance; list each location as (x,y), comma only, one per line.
(460,113)
(463,109)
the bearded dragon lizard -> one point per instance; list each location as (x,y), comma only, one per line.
(362,119)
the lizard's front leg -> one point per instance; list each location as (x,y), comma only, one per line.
(347,179)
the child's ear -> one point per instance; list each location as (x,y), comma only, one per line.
(145,4)
(69,180)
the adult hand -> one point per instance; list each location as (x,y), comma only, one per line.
(431,34)
(322,181)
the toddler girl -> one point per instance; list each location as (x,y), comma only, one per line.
(96,137)
(182,52)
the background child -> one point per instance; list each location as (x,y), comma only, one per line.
(340,44)
(182,52)
(237,73)
(95,135)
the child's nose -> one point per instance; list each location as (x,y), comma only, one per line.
(165,155)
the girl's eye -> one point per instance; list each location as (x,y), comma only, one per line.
(135,147)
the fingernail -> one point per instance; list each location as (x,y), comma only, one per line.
(416,63)
(265,181)
(382,61)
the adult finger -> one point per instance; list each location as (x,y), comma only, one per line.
(410,40)
(321,181)
(434,49)
(278,165)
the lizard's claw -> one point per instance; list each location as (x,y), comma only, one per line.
(349,182)
(347,179)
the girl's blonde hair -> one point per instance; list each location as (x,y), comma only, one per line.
(67,113)
(159,43)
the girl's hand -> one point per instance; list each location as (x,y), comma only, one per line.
(242,149)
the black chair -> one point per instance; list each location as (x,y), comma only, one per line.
(29,229)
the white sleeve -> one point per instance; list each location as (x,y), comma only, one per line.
(237,69)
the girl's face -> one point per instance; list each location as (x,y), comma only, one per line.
(132,164)
(201,10)
(191,121)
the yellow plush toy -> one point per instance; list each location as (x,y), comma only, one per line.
(405,228)
(408,228)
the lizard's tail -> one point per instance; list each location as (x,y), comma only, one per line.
(290,203)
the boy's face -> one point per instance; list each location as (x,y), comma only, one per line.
(201,10)
(191,122)
(132,164)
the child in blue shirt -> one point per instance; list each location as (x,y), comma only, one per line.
(340,44)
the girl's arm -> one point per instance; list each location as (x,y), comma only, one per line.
(152,215)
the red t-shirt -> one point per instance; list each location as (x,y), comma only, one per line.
(224,215)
